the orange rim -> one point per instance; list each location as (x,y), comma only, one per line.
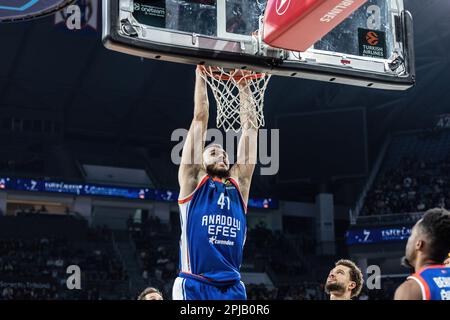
(239,74)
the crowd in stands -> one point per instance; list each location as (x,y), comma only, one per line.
(21,260)
(37,268)
(157,250)
(302,291)
(31,211)
(316,291)
(273,247)
(387,291)
(9,293)
(413,186)
(99,234)
(159,259)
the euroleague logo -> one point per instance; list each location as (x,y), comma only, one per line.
(372,38)
(282,6)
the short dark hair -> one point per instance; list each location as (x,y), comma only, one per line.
(436,225)
(355,275)
(149,291)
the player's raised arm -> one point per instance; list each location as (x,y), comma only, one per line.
(248,143)
(191,159)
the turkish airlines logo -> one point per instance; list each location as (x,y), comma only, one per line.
(282,6)
(372,38)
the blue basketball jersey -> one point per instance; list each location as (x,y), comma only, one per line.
(213,232)
(189,289)
(434,282)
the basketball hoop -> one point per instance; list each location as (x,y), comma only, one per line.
(228,87)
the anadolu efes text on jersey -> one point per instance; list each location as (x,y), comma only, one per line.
(213,232)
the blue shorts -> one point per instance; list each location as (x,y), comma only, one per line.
(191,289)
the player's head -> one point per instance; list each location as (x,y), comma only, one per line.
(151,294)
(344,281)
(215,161)
(430,237)
(447,261)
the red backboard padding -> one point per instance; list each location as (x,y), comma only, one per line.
(297,24)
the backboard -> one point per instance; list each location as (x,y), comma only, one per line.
(373,47)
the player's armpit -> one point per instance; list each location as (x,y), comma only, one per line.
(243,169)
(191,159)
(408,290)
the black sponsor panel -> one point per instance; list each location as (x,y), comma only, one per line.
(372,43)
(151,12)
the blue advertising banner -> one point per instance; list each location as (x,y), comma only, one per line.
(79,189)
(377,235)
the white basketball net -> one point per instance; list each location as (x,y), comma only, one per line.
(229,86)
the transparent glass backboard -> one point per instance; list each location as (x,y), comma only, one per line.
(201,16)
(376,15)
(373,47)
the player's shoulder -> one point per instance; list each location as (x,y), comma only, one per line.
(426,272)
(432,268)
(408,290)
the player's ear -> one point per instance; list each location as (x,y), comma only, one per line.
(352,285)
(419,244)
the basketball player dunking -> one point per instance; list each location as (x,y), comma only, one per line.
(426,249)
(213,204)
